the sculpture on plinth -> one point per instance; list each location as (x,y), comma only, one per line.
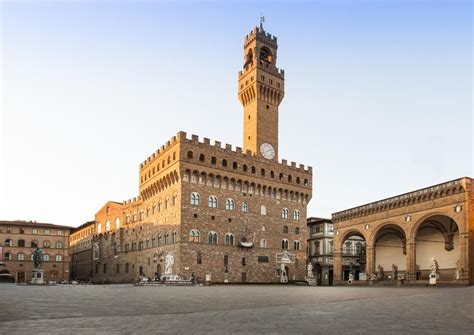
(37,273)
(310,279)
(380,274)
(283,276)
(394,271)
(434,267)
(169,262)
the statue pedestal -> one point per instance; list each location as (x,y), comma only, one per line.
(311,280)
(38,277)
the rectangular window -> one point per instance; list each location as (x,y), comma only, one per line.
(263,259)
(243,261)
(117,269)
(59,232)
(126,267)
(105,268)
(47,231)
(34,231)
(22,230)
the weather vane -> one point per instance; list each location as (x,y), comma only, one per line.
(262,19)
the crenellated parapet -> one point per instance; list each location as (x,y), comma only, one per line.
(260,34)
(238,152)
(426,194)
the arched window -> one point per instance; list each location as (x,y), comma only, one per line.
(212,237)
(263,243)
(202,158)
(21,256)
(59,245)
(175,199)
(285,229)
(140,245)
(107,226)
(213,160)
(99,228)
(190,155)
(34,243)
(46,244)
(284,213)
(8,256)
(21,243)
(245,168)
(297,231)
(245,207)
(224,162)
(194,235)
(263,210)
(212,202)
(296,215)
(174,237)
(262,172)
(166,238)
(296,245)
(167,203)
(134,217)
(229,204)
(297,180)
(159,240)
(284,244)
(8,242)
(253,169)
(195,199)
(45,257)
(141,214)
(289,178)
(272,174)
(229,239)
(59,258)
(127,218)
(117,223)
(235,165)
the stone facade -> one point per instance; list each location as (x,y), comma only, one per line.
(80,249)
(217,209)
(18,239)
(407,230)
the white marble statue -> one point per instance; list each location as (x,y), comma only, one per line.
(458,270)
(310,270)
(169,264)
(434,267)
(283,278)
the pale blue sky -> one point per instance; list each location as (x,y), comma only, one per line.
(378,95)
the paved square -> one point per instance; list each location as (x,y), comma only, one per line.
(66,309)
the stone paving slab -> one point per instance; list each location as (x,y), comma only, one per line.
(125,309)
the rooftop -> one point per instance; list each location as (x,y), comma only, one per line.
(25,223)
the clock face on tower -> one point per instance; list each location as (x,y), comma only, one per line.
(267,150)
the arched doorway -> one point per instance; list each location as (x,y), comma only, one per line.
(353,256)
(390,250)
(158,270)
(438,237)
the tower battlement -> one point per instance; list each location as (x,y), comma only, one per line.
(260,33)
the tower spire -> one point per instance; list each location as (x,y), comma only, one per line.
(262,20)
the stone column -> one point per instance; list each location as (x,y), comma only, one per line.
(337,266)
(411,259)
(370,267)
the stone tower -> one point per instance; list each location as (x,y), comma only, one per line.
(261,89)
